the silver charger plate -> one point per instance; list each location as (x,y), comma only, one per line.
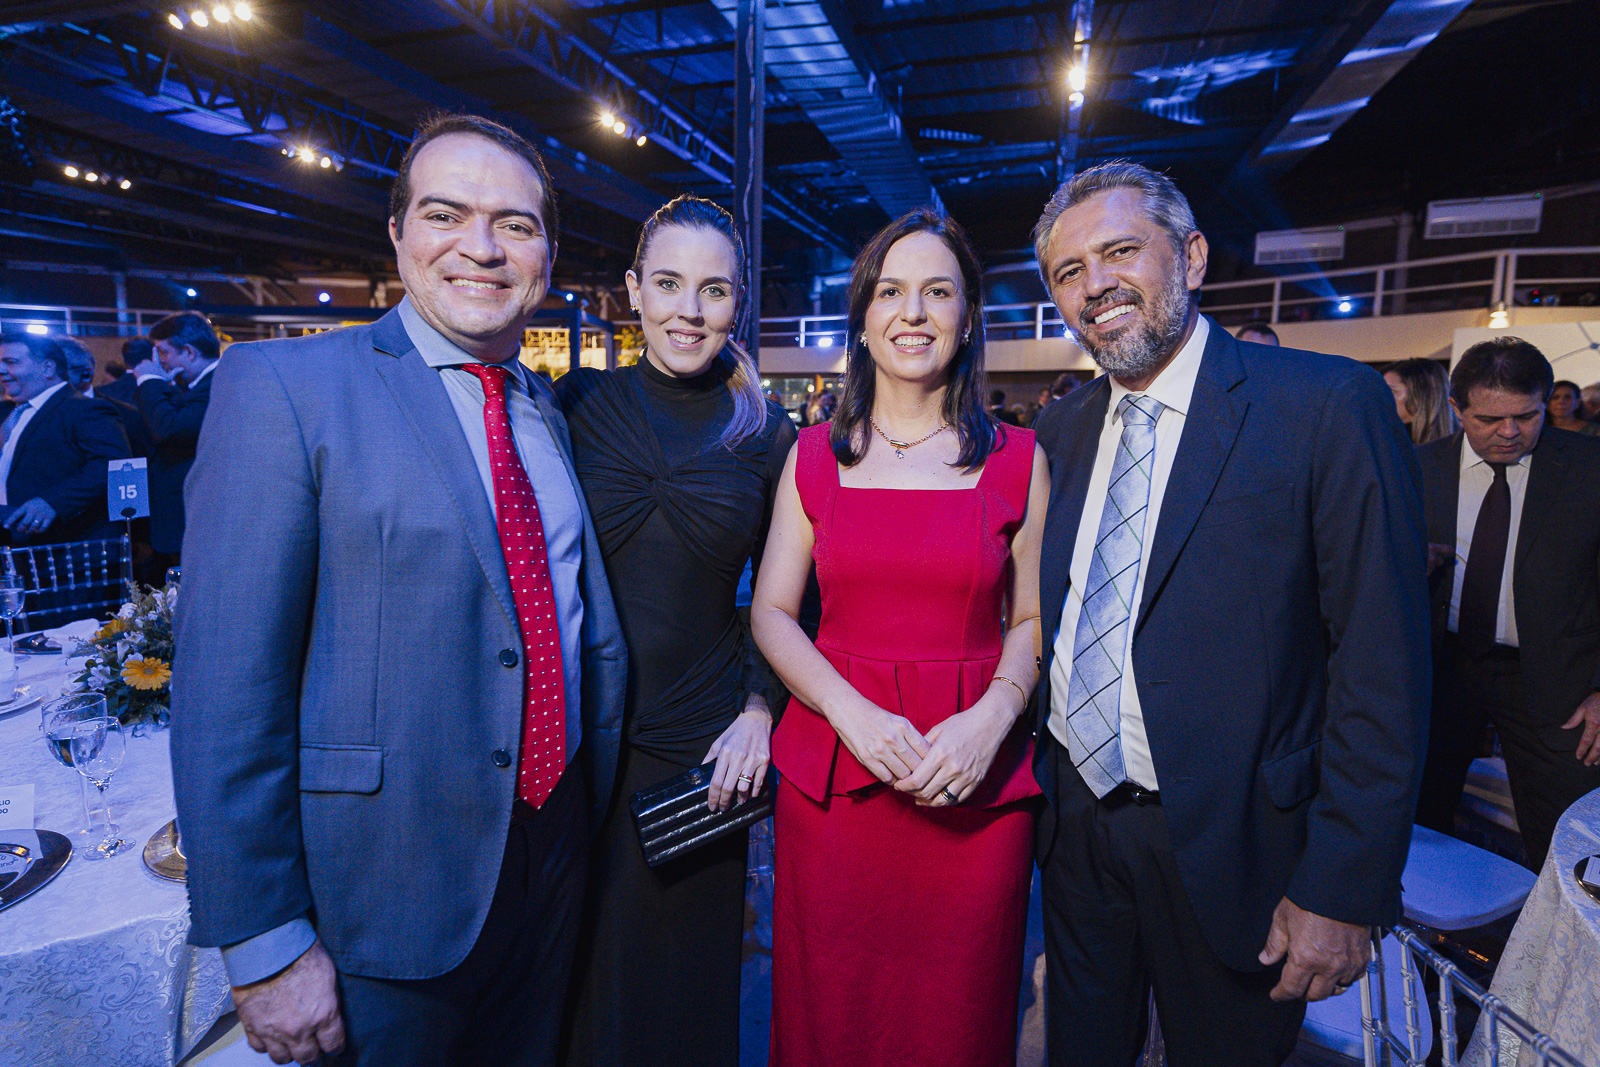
(163,854)
(26,696)
(28,860)
(1587,872)
(21,648)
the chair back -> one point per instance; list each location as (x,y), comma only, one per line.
(70,581)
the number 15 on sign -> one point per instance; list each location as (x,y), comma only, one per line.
(127,488)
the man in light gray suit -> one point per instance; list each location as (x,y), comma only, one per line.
(399,679)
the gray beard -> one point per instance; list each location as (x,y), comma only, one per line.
(1146,348)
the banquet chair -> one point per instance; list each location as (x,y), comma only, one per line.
(1450,885)
(1335,1031)
(70,581)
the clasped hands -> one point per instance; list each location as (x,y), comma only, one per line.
(949,761)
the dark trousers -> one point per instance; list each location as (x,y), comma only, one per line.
(1470,692)
(1117,923)
(502,1004)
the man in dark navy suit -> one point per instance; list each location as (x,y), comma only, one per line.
(174,391)
(1235,672)
(54,446)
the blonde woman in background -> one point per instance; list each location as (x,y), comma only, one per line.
(1421,390)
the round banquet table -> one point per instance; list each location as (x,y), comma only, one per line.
(94,968)
(1550,971)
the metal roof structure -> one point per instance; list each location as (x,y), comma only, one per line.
(265,145)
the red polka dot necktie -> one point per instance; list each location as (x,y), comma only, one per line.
(544,698)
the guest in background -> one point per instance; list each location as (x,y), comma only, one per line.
(80,369)
(55,447)
(998,409)
(1591,402)
(124,386)
(1513,512)
(80,366)
(1235,654)
(1421,389)
(399,673)
(1064,384)
(905,801)
(1044,397)
(1565,410)
(1258,332)
(174,392)
(678,456)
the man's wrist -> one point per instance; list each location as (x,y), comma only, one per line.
(258,958)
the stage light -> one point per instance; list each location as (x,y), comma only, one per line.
(1077,78)
(242,12)
(326,163)
(307,156)
(607,118)
(323,298)
(1345,306)
(1075,99)
(198,17)
(641,140)
(91,177)
(37,328)
(825,341)
(124,184)
(190,293)
(221,14)
(568,297)
(175,21)
(70,171)
(1498,319)
(619,128)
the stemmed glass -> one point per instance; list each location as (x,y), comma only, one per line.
(57,720)
(98,746)
(11,593)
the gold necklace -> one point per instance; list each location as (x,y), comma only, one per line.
(900,446)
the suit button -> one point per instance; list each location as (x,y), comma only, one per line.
(508,657)
(501,758)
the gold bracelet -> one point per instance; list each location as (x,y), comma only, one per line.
(1014,685)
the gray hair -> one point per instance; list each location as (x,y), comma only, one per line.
(1166,206)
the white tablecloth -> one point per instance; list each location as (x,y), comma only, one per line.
(1550,972)
(93,967)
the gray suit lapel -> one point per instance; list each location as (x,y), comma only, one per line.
(420,395)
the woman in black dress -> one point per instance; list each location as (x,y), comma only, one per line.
(678,456)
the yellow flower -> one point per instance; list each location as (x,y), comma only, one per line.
(111,629)
(146,672)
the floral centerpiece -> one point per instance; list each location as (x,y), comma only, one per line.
(130,657)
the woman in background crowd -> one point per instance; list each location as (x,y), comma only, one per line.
(678,456)
(1565,410)
(1421,390)
(904,809)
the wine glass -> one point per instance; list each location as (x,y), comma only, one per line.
(98,746)
(11,593)
(57,720)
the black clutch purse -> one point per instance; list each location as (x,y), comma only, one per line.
(672,817)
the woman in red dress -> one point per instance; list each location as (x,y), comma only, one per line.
(905,801)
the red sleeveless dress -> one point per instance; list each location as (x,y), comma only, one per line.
(898,929)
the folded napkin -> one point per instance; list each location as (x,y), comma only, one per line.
(76,630)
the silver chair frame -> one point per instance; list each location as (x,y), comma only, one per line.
(71,566)
(1382,1047)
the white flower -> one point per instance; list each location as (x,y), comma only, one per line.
(99,677)
(127,611)
(170,595)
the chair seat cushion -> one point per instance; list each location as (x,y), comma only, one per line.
(1451,885)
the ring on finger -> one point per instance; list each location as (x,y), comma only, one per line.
(747,779)
(948,795)
(1340,987)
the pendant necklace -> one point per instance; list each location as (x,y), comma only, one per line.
(900,446)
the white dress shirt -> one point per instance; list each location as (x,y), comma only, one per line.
(9,452)
(1174,388)
(1476,477)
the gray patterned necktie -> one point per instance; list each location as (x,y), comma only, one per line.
(1093,715)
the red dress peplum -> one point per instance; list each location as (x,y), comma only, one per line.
(898,929)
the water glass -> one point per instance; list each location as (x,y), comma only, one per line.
(98,746)
(12,592)
(57,719)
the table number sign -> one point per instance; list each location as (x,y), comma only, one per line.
(128,488)
(16,806)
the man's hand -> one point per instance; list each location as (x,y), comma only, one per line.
(32,517)
(1588,717)
(148,366)
(1438,556)
(294,1015)
(1324,956)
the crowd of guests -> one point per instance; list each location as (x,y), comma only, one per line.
(1165,635)
(60,431)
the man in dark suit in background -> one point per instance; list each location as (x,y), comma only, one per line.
(123,385)
(174,390)
(1513,509)
(399,681)
(56,445)
(1235,671)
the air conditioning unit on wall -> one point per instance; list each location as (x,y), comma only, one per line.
(1300,246)
(1485,217)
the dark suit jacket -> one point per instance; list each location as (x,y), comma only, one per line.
(174,414)
(1555,580)
(342,687)
(123,388)
(1281,644)
(61,458)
